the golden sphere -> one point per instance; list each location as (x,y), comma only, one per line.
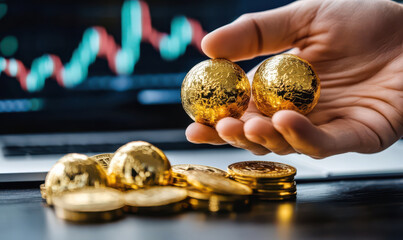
(74,171)
(215,89)
(139,164)
(284,82)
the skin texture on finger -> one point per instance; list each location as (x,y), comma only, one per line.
(260,130)
(200,133)
(320,141)
(261,33)
(231,131)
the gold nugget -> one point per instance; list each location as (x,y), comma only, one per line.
(215,89)
(74,171)
(285,82)
(139,164)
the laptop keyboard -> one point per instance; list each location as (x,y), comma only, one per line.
(91,148)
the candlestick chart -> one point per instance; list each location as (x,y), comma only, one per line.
(96,42)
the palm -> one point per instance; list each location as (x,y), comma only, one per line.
(361,87)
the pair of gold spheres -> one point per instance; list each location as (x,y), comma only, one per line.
(218,88)
(135,165)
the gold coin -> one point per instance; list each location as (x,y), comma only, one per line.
(155,196)
(285,81)
(139,164)
(261,180)
(197,194)
(156,200)
(74,171)
(181,170)
(89,205)
(103,159)
(270,186)
(43,191)
(215,89)
(261,169)
(217,184)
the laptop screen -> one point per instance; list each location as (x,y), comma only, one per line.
(91,65)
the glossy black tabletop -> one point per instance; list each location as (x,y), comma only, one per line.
(356,209)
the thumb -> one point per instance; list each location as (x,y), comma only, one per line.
(261,33)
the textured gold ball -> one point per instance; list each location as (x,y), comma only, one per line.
(139,164)
(284,82)
(74,171)
(215,89)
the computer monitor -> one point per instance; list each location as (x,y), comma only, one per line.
(103,65)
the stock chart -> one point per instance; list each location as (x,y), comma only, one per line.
(87,65)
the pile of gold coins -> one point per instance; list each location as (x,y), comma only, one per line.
(139,179)
(269,180)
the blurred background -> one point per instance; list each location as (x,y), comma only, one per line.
(90,65)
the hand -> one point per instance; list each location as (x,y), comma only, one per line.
(356,47)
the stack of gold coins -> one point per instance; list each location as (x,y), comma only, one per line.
(269,180)
(215,193)
(138,178)
(181,171)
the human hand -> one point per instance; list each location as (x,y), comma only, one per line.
(356,48)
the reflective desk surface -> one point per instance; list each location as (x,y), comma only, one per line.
(356,209)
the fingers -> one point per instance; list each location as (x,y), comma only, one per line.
(199,133)
(317,142)
(231,131)
(260,130)
(261,33)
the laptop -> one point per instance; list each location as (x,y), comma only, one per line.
(89,76)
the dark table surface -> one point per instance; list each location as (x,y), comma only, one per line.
(355,209)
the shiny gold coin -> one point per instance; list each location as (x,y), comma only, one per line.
(285,81)
(215,89)
(43,191)
(74,171)
(197,194)
(157,199)
(89,205)
(270,186)
(262,180)
(139,164)
(183,169)
(155,196)
(217,184)
(103,159)
(261,169)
